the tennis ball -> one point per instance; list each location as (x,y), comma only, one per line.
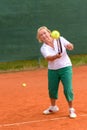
(55,34)
(24,84)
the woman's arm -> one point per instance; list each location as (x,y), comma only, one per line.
(51,58)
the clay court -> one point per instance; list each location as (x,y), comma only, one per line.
(21,107)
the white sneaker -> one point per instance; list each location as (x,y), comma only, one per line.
(72,113)
(50,110)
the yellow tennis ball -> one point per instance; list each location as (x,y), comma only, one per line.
(55,34)
(24,84)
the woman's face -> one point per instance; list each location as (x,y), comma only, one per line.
(44,35)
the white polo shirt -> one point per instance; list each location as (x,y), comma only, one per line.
(58,63)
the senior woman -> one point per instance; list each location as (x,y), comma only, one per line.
(59,68)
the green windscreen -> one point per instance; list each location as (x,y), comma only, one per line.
(20,19)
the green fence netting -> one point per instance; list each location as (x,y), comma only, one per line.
(20,19)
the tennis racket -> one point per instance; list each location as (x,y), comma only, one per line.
(59,46)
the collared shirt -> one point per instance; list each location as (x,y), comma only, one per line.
(58,63)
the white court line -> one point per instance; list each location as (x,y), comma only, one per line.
(37,121)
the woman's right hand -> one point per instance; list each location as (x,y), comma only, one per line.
(58,55)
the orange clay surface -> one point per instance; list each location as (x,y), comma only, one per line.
(21,107)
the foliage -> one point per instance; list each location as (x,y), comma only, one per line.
(77,60)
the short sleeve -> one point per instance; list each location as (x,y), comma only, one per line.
(47,51)
(64,41)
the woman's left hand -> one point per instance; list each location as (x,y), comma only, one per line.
(70,46)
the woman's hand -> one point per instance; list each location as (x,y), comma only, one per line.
(58,55)
(70,46)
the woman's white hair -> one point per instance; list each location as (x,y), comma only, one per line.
(39,29)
